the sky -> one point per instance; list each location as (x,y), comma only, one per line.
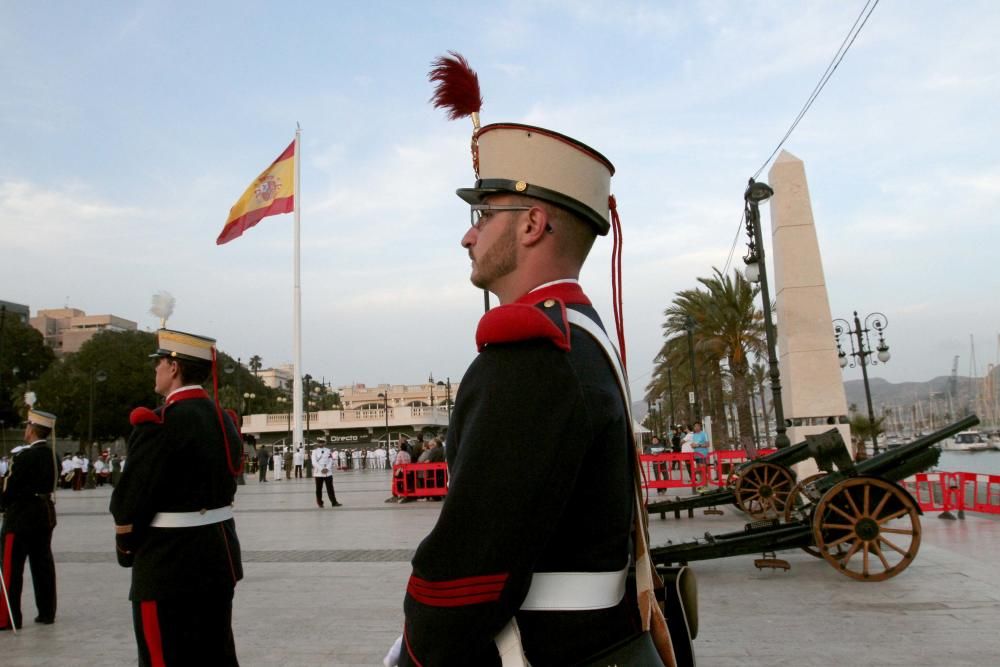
(128,130)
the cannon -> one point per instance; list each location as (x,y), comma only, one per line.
(762,487)
(856,518)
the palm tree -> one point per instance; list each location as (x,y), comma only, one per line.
(734,329)
(255,364)
(729,327)
(863,428)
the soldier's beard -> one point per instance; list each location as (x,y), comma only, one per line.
(498,261)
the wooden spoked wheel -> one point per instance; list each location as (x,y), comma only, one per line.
(799,506)
(875,521)
(763,489)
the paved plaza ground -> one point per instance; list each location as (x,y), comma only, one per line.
(325,587)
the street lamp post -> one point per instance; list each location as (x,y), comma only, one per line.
(670,388)
(310,404)
(95,377)
(283,402)
(447,388)
(385,401)
(878,322)
(757,271)
(689,325)
(248,396)
(447,399)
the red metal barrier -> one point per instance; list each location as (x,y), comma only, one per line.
(960,491)
(420,480)
(724,462)
(980,493)
(687,470)
(671,471)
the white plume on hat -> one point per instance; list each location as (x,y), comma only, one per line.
(163,307)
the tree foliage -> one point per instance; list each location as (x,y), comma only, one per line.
(24,357)
(122,359)
(728,331)
(865,429)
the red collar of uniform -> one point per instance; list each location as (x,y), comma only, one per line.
(570,293)
(186,395)
(539,314)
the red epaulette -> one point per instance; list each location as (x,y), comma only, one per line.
(516,322)
(144,416)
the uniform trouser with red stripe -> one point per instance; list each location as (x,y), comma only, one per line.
(185,631)
(35,547)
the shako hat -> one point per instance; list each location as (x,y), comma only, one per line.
(546,165)
(522,159)
(181,345)
(39,418)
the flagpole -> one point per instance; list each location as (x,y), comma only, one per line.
(297,304)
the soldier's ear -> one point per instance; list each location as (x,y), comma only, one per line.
(534,225)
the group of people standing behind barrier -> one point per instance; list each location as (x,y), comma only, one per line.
(681,439)
(418,450)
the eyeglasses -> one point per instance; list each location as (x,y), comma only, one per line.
(482,213)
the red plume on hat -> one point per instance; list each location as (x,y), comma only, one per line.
(456,89)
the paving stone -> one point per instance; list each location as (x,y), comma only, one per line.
(325,587)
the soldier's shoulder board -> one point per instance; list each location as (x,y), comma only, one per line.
(144,416)
(516,322)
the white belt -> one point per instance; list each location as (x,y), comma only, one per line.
(575,591)
(191,519)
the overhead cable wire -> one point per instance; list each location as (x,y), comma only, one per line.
(732,248)
(845,46)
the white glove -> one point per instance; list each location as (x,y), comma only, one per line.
(391,658)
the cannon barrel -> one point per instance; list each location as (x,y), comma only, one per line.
(788,456)
(910,459)
(884,463)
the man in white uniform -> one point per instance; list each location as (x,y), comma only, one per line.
(322,461)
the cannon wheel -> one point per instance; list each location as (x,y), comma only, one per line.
(800,504)
(874,520)
(763,489)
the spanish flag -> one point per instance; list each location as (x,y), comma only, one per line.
(271,193)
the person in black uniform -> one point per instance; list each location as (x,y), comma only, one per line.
(540,421)
(29,517)
(177,532)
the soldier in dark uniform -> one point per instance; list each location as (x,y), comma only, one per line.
(537,522)
(29,517)
(176,531)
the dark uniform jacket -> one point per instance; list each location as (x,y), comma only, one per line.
(177,463)
(541,481)
(27,491)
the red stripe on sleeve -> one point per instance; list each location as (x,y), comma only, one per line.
(457,592)
(458,583)
(151,631)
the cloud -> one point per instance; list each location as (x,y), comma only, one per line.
(40,221)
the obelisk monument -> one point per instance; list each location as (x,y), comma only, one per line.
(812,388)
